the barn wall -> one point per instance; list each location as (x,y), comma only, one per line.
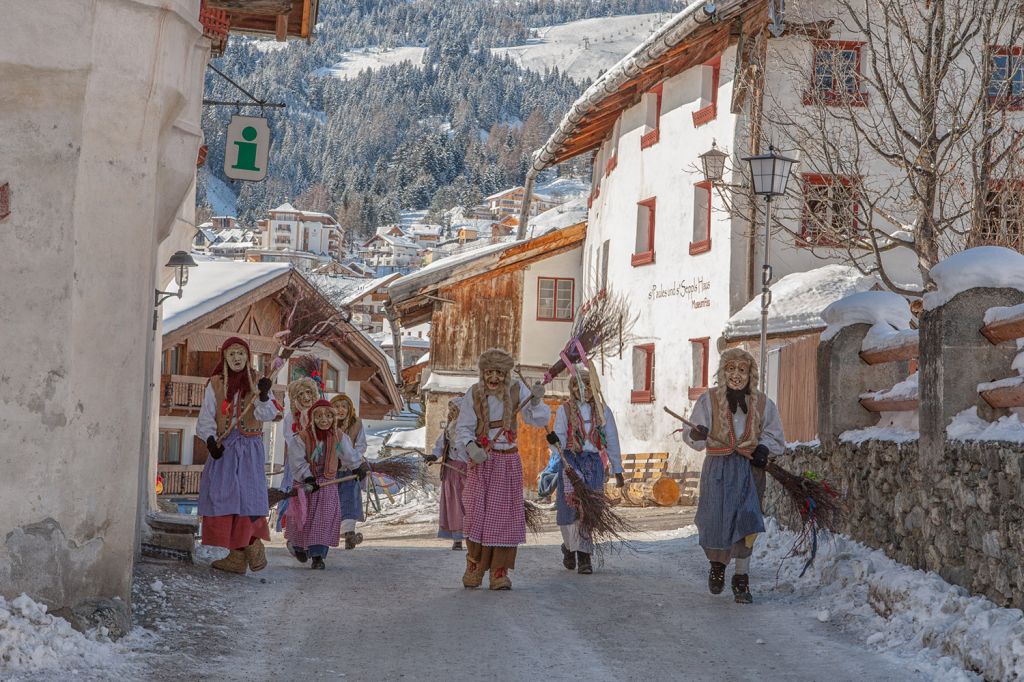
(486,313)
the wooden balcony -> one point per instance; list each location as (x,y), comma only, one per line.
(179,479)
(181,394)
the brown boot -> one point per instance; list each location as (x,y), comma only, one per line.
(500,579)
(234,562)
(256,555)
(473,577)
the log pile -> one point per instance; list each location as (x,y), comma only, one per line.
(661,492)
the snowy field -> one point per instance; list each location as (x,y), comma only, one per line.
(394,608)
(351,64)
(222,199)
(583,49)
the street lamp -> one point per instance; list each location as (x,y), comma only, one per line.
(181,261)
(713,164)
(769,174)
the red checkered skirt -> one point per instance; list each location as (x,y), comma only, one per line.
(322,524)
(493,501)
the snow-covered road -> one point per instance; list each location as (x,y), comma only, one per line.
(395,609)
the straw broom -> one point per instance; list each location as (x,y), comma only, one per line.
(275,495)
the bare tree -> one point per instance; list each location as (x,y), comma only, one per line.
(902,112)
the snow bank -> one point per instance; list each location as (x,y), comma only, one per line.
(884,337)
(967,425)
(798,301)
(1000,313)
(985,266)
(895,427)
(408,507)
(904,390)
(416,439)
(883,310)
(33,640)
(896,609)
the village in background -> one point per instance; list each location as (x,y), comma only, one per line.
(886,276)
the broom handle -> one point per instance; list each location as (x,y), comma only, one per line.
(689,423)
(334,481)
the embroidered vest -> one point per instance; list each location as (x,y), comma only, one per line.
(722,424)
(226,411)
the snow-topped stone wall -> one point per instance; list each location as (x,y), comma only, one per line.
(959,513)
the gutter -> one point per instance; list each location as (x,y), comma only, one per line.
(674,31)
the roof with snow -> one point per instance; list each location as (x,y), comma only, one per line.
(345,291)
(570,213)
(284,208)
(798,301)
(212,283)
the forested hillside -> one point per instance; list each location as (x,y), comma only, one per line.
(456,127)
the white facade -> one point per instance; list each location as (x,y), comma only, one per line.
(389,254)
(542,339)
(290,229)
(98,140)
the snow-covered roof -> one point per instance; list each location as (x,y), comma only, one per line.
(798,301)
(498,195)
(443,382)
(347,290)
(883,310)
(564,188)
(212,283)
(416,439)
(284,208)
(566,215)
(386,340)
(985,266)
(454,261)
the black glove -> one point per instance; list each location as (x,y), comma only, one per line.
(311,485)
(699,433)
(216,450)
(759,458)
(553,438)
(362,470)
(264,386)
(620,482)
(430,457)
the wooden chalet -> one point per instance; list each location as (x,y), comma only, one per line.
(249,300)
(497,296)
(282,19)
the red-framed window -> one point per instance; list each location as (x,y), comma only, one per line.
(1006,83)
(652,115)
(556,299)
(1003,224)
(830,213)
(701,241)
(613,148)
(646,212)
(700,349)
(169,447)
(836,74)
(709,78)
(643,374)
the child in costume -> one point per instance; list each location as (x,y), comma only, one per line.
(233,486)
(740,427)
(453,476)
(495,521)
(302,393)
(585,429)
(314,521)
(352,452)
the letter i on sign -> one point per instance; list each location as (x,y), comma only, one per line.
(246,148)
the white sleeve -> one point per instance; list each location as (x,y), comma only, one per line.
(611,432)
(465,427)
(297,463)
(360,444)
(206,424)
(438,450)
(701,416)
(771,432)
(561,428)
(538,415)
(265,411)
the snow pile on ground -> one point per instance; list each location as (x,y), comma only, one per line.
(967,425)
(895,427)
(904,390)
(896,609)
(985,266)
(408,507)
(415,439)
(583,49)
(883,310)
(353,63)
(32,640)
(798,301)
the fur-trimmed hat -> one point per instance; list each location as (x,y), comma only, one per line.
(495,358)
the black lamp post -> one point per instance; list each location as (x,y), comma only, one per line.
(181,261)
(769,174)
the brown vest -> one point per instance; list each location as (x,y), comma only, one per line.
(248,424)
(722,425)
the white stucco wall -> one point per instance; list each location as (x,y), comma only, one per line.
(99,131)
(541,341)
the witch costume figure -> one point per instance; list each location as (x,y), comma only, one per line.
(313,525)
(733,477)
(495,520)
(233,486)
(352,450)
(585,428)
(302,393)
(454,462)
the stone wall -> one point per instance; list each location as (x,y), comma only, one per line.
(962,518)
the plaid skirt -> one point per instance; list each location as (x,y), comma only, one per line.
(452,516)
(493,501)
(322,523)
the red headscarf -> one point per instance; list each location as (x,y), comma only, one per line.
(237,382)
(329,465)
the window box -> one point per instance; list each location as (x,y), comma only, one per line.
(650,139)
(710,73)
(652,117)
(697,248)
(643,374)
(705,115)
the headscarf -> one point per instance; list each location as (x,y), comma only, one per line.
(241,382)
(326,460)
(352,423)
